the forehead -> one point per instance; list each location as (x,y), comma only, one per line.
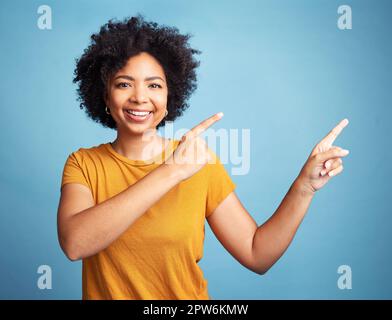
(142,65)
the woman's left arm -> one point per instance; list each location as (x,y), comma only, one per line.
(259,247)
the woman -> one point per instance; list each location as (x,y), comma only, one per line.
(134,209)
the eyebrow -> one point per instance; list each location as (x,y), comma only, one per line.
(132,79)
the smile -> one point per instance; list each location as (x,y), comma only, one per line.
(137,116)
(138,113)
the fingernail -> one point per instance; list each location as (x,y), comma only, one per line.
(331,173)
(327,165)
(322,173)
(344,151)
(220,114)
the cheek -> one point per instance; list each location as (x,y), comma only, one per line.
(160,101)
(117,97)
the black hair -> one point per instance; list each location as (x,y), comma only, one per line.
(111,48)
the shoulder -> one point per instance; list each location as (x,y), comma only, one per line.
(84,154)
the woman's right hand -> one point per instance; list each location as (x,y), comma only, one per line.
(192,153)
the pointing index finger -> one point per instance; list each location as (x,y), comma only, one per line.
(204,125)
(334,133)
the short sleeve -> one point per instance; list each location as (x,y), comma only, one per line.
(220,185)
(73,172)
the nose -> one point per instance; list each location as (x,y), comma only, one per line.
(138,95)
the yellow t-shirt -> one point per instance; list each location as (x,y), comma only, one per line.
(157,256)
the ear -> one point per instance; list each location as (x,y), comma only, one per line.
(106,91)
(106,96)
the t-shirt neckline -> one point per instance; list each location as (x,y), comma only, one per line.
(157,159)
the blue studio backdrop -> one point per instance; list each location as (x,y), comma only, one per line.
(283,69)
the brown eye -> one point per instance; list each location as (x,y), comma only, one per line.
(122,85)
(155,85)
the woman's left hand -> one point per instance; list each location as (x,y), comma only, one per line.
(324,162)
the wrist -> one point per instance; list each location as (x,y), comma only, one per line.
(170,172)
(303,188)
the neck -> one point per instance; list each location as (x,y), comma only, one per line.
(139,147)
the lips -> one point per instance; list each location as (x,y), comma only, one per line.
(137,115)
(138,112)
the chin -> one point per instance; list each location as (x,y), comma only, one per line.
(140,129)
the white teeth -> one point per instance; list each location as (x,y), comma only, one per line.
(138,113)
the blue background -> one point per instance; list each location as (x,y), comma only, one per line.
(280,68)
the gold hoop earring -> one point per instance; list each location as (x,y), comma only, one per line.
(106,110)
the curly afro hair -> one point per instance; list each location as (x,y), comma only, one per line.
(111,48)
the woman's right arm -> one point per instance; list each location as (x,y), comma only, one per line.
(85,229)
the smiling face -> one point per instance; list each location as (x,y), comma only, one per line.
(137,95)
